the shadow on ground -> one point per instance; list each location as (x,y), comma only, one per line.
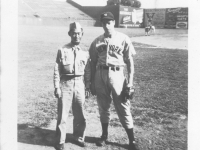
(35,135)
(45,137)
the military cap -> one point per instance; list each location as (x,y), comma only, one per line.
(75,26)
(107,16)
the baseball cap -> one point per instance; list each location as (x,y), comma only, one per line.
(107,15)
(75,26)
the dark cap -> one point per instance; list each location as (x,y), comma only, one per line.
(107,16)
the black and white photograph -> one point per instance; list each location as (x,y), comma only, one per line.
(99,75)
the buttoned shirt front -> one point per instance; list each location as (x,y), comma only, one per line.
(112,51)
(71,61)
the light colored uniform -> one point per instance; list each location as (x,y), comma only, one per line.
(70,70)
(110,56)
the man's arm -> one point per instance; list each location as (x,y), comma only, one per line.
(56,76)
(93,70)
(130,69)
(87,78)
(87,74)
(93,63)
(129,51)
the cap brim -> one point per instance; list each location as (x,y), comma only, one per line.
(77,30)
(107,18)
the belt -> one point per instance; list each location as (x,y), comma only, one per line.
(67,78)
(115,68)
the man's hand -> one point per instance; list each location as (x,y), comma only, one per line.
(129,85)
(87,92)
(127,94)
(128,91)
(92,89)
(57,92)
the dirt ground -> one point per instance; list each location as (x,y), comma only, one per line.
(31,138)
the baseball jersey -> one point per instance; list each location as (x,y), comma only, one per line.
(71,61)
(114,51)
(147,29)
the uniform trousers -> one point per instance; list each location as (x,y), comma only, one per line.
(109,84)
(73,96)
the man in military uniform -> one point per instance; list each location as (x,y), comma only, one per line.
(109,53)
(70,72)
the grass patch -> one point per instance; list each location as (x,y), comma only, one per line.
(161,80)
(136,44)
(38,111)
(160,103)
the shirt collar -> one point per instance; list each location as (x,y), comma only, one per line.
(75,47)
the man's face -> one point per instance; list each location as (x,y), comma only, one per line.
(108,25)
(76,36)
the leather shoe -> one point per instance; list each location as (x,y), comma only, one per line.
(59,147)
(133,146)
(102,140)
(79,142)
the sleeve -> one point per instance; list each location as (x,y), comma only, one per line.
(93,52)
(57,68)
(87,74)
(129,50)
(93,60)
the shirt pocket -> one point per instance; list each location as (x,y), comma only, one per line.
(67,69)
(67,66)
(67,63)
(67,58)
(81,66)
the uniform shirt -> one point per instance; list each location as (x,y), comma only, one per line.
(71,61)
(114,51)
(147,28)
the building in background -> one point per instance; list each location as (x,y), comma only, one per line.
(170,18)
(130,17)
(160,13)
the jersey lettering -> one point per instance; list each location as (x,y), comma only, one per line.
(112,51)
(114,48)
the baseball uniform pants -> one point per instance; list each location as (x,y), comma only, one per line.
(107,82)
(73,94)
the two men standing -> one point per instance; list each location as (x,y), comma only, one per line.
(109,54)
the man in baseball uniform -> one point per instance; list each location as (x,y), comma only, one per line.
(109,53)
(147,30)
(70,72)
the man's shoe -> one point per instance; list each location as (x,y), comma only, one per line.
(80,142)
(102,141)
(59,146)
(133,146)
